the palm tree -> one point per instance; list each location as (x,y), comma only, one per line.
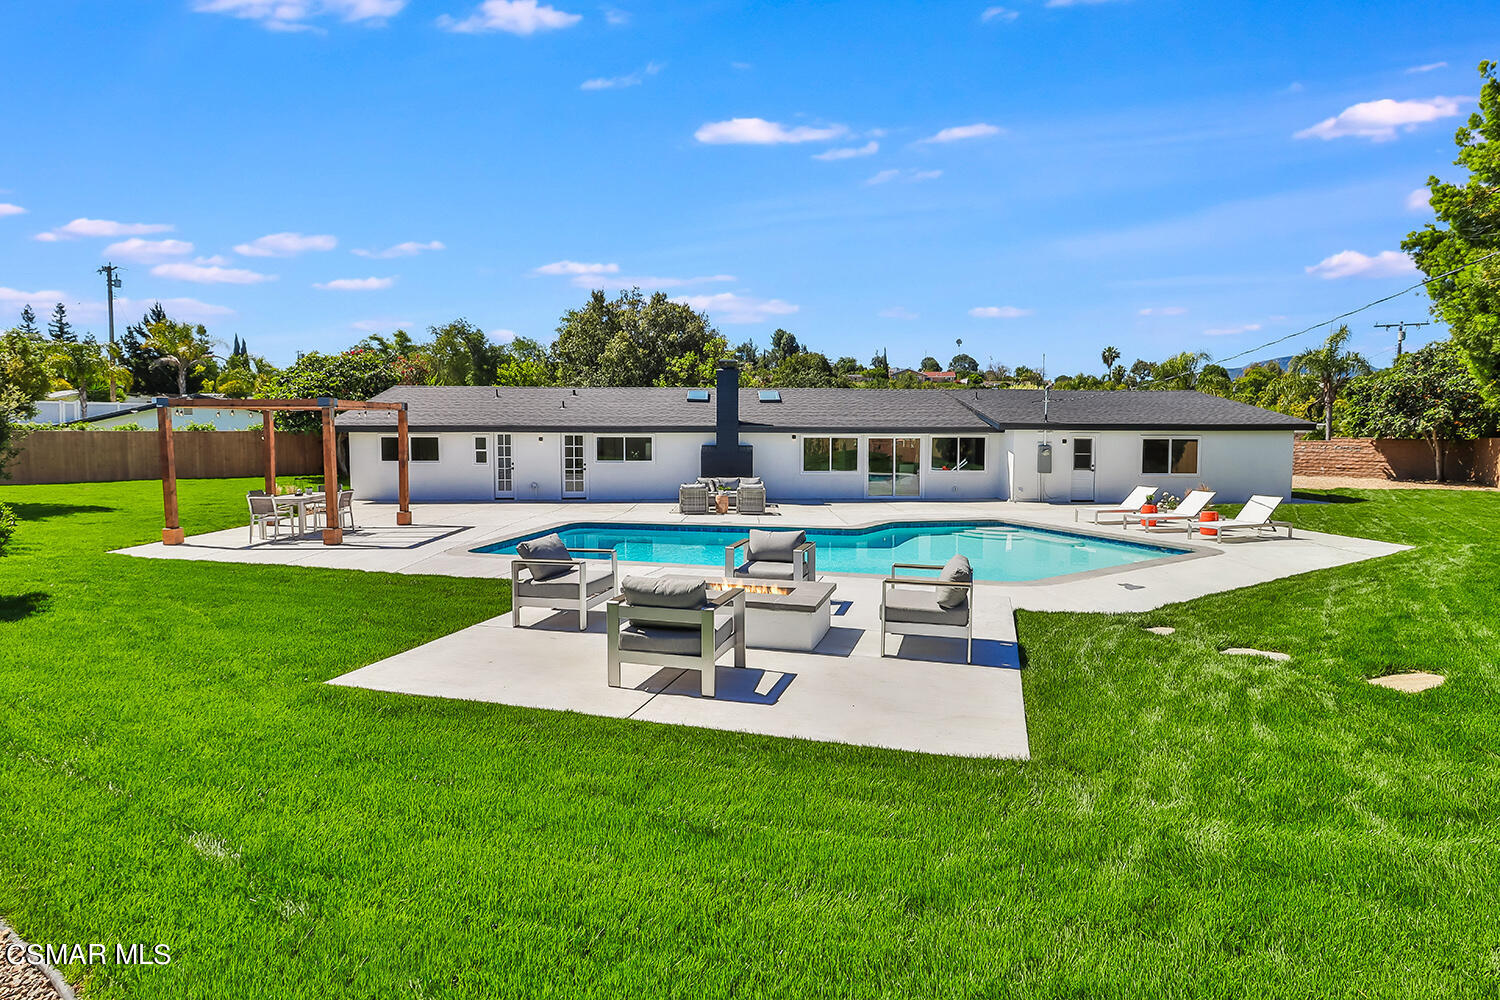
(1109,356)
(181,347)
(1331,368)
(81,364)
(1180,371)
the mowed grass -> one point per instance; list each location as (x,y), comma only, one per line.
(173,769)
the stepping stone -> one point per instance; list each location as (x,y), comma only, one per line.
(1246,651)
(1160,629)
(1410,683)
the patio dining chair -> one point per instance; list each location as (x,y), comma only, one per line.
(548,574)
(345,510)
(675,622)
(265,511)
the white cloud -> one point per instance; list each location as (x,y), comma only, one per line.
(1001,14)
(577,267)
(1419,200)
(957,133)
(849,152)
(1382,120)
(146,251)
(1075,3)
(381,325)
(83,228)
(214,260)
(184,309)
(616,17)
(649,283)
(294,15)
(1162,311)
(759,132)
(1295,87)
(897,312)
(628,80)
(1353,264)
(1230,331)
(517,17)
(6,208)
(407,249)
(355,284)
(284,245)
(1000,312)
(502,336)
(210,274)
(1427,67)
(729,307)
(910,176)
(14,297)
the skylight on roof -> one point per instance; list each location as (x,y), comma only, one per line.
(697,395)
(770,395)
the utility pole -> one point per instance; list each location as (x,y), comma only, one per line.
(1400,329)
(111,282)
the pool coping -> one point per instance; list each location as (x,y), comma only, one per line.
(1186,550)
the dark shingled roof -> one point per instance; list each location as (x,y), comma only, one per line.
(464,408)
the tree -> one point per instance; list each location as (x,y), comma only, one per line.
(1330,368)
(847,366)
(82,365)
(805,369)
(355,374)
(181,348)
(1109,356)
(930,364)
(1141,372)
(462,354)
(632,340)
(59,327)
(1430,393)
(1469,301)
(28,322)
(150,378)
(880,366)
(23,364)
(1180,371)
(962,364)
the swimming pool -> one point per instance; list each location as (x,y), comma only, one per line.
(997,550)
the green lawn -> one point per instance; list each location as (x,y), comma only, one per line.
(173,770)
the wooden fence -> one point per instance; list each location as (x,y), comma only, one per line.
(1399,459)
(106,456)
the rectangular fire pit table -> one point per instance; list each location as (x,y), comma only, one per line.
(784,615)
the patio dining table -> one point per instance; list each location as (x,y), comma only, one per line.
(302,502)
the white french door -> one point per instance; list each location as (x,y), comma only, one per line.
(574,483)
(505,480)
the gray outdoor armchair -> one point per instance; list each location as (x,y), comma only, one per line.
(692,498)
(751,497)
(918,605)
(548,574)
(773,555)
(674,622)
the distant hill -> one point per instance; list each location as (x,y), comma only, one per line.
(1280,363)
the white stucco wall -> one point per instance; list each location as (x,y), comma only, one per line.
(778,460)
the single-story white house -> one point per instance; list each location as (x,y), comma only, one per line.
(525,443)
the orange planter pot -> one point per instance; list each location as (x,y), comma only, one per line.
(1149,508)
(1208,515)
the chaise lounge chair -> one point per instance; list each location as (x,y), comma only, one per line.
(1254,517)
(939,605)
(548,574)
(1130,505)
(1192,505)
(773,555)
(674,622)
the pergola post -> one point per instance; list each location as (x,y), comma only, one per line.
(403,473)
(171,532)
(333,528)
(269,423)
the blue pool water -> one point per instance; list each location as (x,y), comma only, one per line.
(997,551)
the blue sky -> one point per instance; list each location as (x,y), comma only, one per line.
(1038,177)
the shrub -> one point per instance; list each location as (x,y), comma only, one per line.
(7,526)
(128,427)
(198,425)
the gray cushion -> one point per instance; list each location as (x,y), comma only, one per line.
(708,481)
(751,481)
(664,591)
(683,641)
(547,547)
(763,569)
(565,587)
(921,607)
(729,484)
(775,546)
(956,570)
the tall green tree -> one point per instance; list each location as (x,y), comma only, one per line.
(632,340)
(462,354)
(84,367)
(1468,229)
(23,364)
(355,374)
(150,378)
(182,349)
(1330,368)
(963,364)
(1180,371)
(1109,356)
(931,364)
(59,327)
(28,321)
(1430,393)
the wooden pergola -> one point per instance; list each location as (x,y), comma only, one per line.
(333,531)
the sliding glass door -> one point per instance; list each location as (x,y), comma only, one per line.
(895,467)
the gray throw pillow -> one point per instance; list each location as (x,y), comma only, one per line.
(729,484)
(751,481)
(663,591)
(956,570)
(547,547)
(775,546)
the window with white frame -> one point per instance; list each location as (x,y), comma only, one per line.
(622,449)
(830,454)
(1169,456)
(423,449)
(957,454)
(481,449)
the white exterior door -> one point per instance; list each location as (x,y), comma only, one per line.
(1082,486)
(574,467)
(505,480)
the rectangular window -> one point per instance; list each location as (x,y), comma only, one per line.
(957,454)
(423,449)
(482,450)
(1169,456)
(821,454)
(622,449)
